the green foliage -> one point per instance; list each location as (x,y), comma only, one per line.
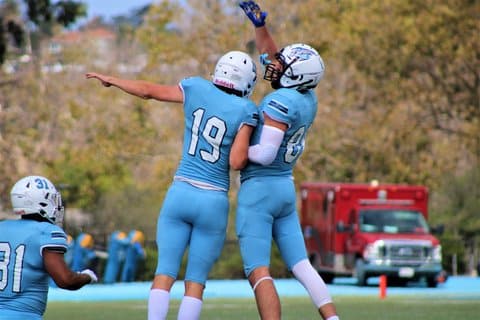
(11,32)
(147,268)
(456,205)
(398,93)
(399,103)
(453,247)
(43,14)
(229,265)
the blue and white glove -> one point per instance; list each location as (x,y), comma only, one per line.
(264,61)
(254,13)
(91,274)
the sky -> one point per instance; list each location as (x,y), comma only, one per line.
(111,8)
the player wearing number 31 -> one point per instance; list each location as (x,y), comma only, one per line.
(219,120)
(32,249)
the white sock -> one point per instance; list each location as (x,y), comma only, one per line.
(190,308)
(333,318)
(158,302)
(311,280)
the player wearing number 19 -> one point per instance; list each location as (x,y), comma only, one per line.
(32,249)
(219,120)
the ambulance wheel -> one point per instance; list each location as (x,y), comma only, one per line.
(327,277)
(432,282)
(360,273)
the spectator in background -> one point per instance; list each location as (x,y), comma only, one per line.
(32,250)
(218,121)
(134,254)
(84,255)
(117,245)
(267,198)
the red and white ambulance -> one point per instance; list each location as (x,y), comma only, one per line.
(368,230)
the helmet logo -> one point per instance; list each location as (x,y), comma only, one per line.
(301,54)
(235,71)
(224,83)
(302,68)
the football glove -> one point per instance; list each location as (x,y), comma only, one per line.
(264,61)
(91,274)
(254,13)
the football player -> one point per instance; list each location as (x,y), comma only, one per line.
(32,249)
(219,119)
(266,199)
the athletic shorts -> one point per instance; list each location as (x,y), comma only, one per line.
(193,217)
(266,209)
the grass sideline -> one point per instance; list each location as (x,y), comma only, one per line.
(349,308)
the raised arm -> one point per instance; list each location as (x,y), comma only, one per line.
(140,88)
(263,40)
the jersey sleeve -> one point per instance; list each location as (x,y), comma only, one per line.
(279,107)
(188,83)
(53,238)
(251,114)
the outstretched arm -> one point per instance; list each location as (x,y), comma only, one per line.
(64,277)
(263,39)
(140,88)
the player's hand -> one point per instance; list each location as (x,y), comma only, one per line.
(254,13)
(264,61)
(91,274)
(101,77)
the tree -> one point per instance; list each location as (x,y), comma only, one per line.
(456,205)
(43,14)
(11,31)
(398,103)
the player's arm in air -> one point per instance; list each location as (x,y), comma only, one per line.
(273,131)
(65,278)
(263,40)
(140,88)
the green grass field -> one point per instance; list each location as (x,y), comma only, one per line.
(349,308)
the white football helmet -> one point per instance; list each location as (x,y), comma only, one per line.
(237,72)
(302,68)
(37,195)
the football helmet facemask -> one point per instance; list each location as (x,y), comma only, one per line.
(302,68)
(37,195)
(237,72)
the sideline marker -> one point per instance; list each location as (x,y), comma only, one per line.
(383,286)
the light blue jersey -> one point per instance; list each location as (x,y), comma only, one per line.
(212,119)
(261,216)
(298,111)
(195,209)
(23,278)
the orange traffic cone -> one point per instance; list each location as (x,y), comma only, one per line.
(383,286)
